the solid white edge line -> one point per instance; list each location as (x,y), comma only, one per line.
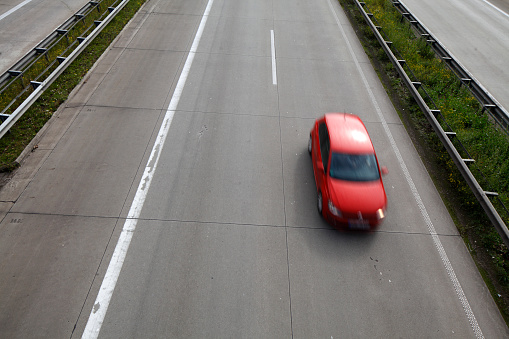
(14,9)
(103,299)
(496,8)
(443,255)
(273,53)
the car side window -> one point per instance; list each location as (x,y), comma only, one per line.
(323,136)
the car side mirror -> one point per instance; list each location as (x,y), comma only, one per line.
(384,170)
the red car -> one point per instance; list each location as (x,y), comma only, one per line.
(350,191)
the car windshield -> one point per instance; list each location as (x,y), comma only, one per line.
(354,167)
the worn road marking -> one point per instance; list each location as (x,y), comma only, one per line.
(102,302)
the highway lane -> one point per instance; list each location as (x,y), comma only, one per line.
(228,243)
(236,246)
(23,24)
(475,32)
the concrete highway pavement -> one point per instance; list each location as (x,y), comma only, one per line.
(228,242)
(23,24)
(476,33)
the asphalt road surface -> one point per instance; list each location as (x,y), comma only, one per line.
(173,196)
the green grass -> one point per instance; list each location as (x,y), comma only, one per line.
(25,129)
(483,140)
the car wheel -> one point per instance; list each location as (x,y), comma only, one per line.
(319,203)
(310,144)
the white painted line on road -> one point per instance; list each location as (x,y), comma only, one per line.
(14,9)
(413,188)
(496,8)
(273,52)
(103,299)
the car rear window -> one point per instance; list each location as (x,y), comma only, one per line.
(354,167)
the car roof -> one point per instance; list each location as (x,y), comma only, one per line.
(348,134)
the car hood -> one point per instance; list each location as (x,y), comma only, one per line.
(352,197)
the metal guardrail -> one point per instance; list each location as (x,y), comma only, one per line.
(488,102)
(8,120)
(446,137)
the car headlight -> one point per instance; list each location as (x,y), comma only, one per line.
(380,214)
(334,210)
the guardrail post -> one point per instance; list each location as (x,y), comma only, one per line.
(14,73)
(64,32)
(40,50)
(450,134)
(35,84)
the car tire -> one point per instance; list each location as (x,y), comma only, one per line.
(310,144)
(319,203)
